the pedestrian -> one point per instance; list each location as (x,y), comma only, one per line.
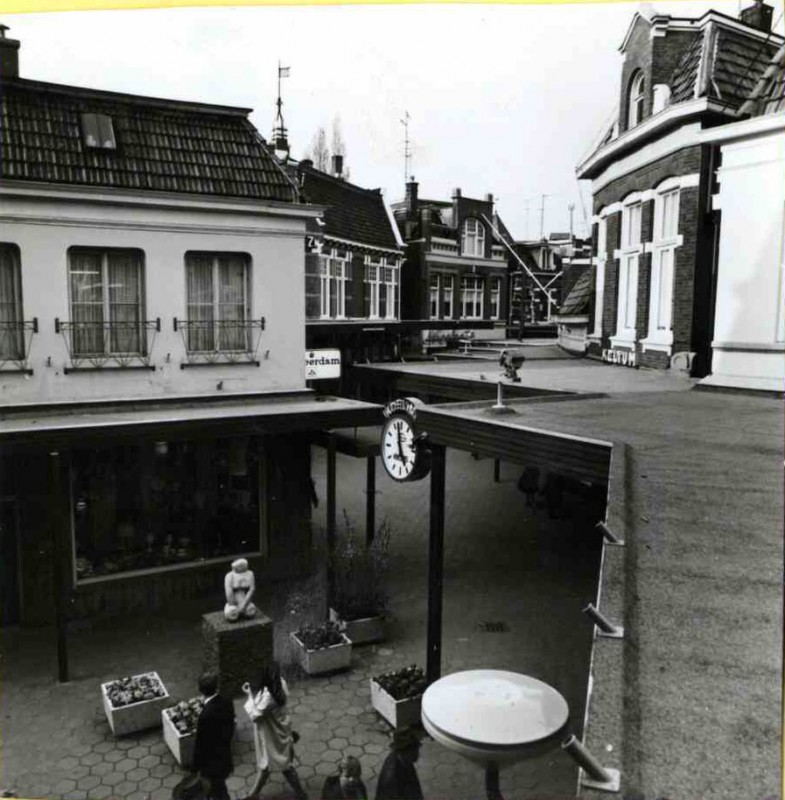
(212,758)
(398,779)
(347,784)
(266,705)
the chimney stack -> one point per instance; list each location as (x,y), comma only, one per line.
(338,165)
(9,55)
(411,198)
(758,16)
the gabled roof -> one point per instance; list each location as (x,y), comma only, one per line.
(351,213)
(578,300)
(162,145)
(768,95)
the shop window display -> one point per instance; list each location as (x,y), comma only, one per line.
(159,504)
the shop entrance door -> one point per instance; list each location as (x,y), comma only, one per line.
(9,563)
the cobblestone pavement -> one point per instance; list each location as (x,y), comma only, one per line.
(504,563)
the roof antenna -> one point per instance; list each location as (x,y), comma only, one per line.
(407,153)
(280,140)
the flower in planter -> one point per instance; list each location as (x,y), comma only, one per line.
(124,691)
(185,714)
(404,683)
(317,637)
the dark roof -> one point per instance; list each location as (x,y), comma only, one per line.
(768,96)
(351,212)
(162,145)
(735,62)
(578,300)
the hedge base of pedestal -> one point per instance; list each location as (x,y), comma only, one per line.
(134,716)
(360,631)
(182,747)
(398,713)
(236,651)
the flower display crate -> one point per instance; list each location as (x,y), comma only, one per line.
(361,631)
(135,716)
(180,744)
(326,659)
(398,713)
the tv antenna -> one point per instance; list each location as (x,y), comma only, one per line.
(407,153)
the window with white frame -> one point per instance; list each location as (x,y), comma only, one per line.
(11,325)
(389,310)
(107,301)
(473,238)
(664,244)
(448,288)
(217,286)
(333,275)
(435,287)
(599,282)
(373,288)
(471,297)
(635,99)
(629,257)
(495,298)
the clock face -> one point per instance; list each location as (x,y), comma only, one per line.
(399,452)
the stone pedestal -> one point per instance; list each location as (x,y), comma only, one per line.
(236,651)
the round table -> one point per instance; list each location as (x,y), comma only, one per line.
(494,718)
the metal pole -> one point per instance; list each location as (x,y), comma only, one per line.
(436,565)
(492,789)
(370,500)
(496,470)
(58,529)
(330,519)
(586,760)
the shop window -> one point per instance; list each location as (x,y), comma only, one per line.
(12,339)
(471,297)
(160,504)
(636,99)
(473,238)
(495,298)
(98,131)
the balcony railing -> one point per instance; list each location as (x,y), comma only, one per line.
(15,341)
(220,341)
(108,345)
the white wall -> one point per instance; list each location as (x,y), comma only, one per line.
(45,227)
(749,335)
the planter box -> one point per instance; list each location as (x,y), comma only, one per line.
(360,631)
(328,659)
(182,747)
(399,713)
(135,716)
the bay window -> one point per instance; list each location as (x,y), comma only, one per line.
(471,297)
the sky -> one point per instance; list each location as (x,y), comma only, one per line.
(502,99)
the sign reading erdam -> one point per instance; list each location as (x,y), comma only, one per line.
(320,364)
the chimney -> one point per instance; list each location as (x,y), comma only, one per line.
(456,193)
(338,165)
(757,16)
(9,55)
(425,223)
(411,198)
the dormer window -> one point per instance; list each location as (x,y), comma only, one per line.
(473,238)
(635,100)
(98,131)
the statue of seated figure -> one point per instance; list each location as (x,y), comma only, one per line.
(240,586)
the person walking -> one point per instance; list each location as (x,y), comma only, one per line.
(212,758)
(347,784)
(266,705)
(398,779)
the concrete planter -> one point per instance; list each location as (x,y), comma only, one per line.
(399,713)
(328,659)
(135,716)
(182,746)
(360,631)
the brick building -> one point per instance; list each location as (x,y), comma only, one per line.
(651,174)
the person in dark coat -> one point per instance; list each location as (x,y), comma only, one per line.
(398,779)
(347,784)
(214,731)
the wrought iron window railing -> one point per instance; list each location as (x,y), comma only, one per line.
(15,340)
(220,341)
(109,345)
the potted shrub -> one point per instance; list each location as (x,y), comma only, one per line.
(134,703)
(397,695)
(322,648)
(179,724)
(360,597)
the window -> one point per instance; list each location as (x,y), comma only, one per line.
(381,292)
(447,296)
(496,293)
(435,286)
(333,274)
(635,99)
(473,238)
(471,298)
(12,343)
(442,287)
(391,291)
(599,283)
(372,289)
(107,302)
(98,131)
(628,273)
(666,229)
(218,311)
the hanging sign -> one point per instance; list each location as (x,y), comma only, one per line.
(624,358)
(321,364)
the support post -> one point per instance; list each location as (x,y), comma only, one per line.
(436,564)
(330,520)
(496,470)
(370,500)
(492,790)
(58,526)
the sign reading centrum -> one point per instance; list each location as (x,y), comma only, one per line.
(320,364)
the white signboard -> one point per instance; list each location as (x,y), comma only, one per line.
(320,364)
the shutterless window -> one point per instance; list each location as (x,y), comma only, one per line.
(11,331)
(98,131)
(635,99)
(473,239)
(107,301)
(447,296)
(217,286)
(496,293)
(471,298)
(435,281)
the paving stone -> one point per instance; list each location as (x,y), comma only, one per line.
(338,743)
(114,756)
(170,781)
(140,751)
(67,763)
(66,785)
(161,771)
(149,761)
(159,748)
(113,779)
(373,749)
(75,794)
(126,765)
(137,774)
(88,782)
(102,747)
(325,768)
(104,768)
(91,759)
(164,793)
(124,789)
(79,771)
